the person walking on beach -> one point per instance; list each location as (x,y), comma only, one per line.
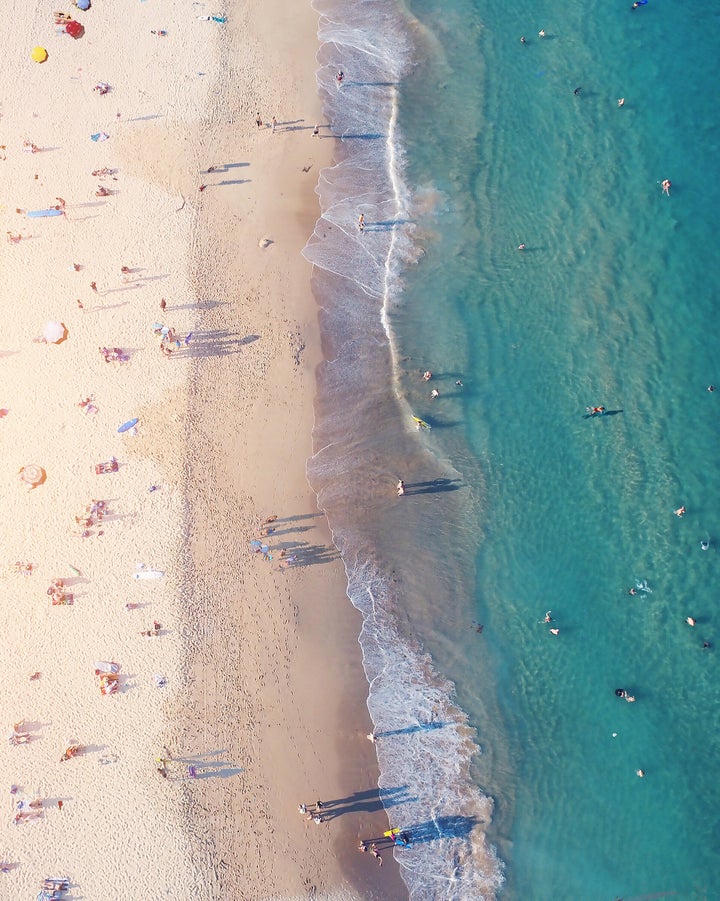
(361,223)
(258,120)
(400,488)
(376,854)
(273,124)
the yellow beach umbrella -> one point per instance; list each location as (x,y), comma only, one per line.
(39,54)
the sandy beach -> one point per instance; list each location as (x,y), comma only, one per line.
(199,689)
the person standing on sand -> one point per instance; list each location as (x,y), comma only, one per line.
(273,124)
(258,120)
(400,488)
(361,223)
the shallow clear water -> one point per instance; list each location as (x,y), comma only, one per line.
(465,144)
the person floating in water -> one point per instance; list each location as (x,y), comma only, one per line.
(681,511)
(595,411)
(622,693)
(704,544)
(639,3)
(666,184)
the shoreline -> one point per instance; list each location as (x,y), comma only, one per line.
(332,761)
(313,600)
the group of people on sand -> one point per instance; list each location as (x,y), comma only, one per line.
(313,812)
(395,837)
(58,594)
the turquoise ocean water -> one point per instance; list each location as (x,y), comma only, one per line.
(506,752)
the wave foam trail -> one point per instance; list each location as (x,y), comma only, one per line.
(425,746)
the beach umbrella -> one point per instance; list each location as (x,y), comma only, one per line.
(82,4)
(54,332)
(39,54)
(32,475)
(74,29)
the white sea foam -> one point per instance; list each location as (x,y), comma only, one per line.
(425,746)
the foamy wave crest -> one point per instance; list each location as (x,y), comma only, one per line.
(425,746)
(368,43)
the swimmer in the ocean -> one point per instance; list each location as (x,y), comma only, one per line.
(704,544)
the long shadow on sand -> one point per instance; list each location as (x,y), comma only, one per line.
(297,518)
(215,343)
(369,801)
(316,554)
(205,768)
